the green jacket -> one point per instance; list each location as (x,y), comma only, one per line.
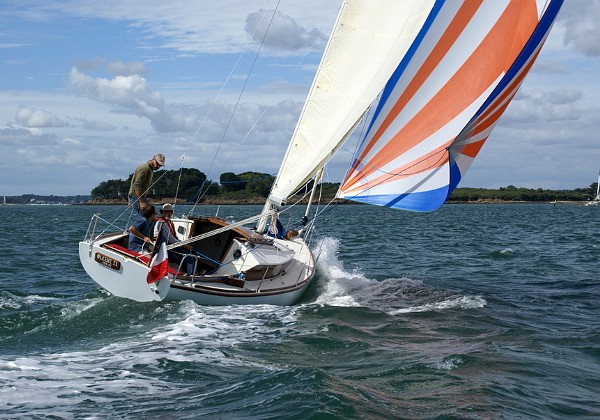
(141,180)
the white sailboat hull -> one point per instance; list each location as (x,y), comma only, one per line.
(273,271)
(126,279)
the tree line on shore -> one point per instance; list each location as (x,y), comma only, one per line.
(512,193)
(191,185)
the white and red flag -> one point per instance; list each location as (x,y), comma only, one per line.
(160,261)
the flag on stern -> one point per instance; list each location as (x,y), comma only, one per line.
(160,262)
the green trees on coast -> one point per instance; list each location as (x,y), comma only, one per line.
(189,184)
(512,193)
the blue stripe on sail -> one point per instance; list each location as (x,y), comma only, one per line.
(419,202)
(391,83)
(455,175)
(534,41)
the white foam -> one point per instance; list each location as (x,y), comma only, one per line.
(219,328)
(335,291)
(177,331)
(10,301)
(72,309)
(462,302)
(351,289)
(448,363)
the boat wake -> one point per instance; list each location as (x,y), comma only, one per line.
(398,295)
(9,301)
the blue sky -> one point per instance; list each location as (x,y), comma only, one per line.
(89,90)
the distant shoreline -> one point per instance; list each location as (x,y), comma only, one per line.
(459,197)
(261,201)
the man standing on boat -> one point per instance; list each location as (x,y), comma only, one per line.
(141,182)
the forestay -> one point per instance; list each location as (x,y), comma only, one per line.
(444,98)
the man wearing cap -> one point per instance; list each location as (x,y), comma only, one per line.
(141,182)
(165,226)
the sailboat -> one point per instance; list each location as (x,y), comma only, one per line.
(596,201)
(426,81)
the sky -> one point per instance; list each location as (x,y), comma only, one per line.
(91,89)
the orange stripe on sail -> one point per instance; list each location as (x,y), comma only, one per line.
(447,40)
(433,159)
(485,64)
(493,119)
(472,149)
(486,120)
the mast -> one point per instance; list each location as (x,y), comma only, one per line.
(318,179)
(261,227)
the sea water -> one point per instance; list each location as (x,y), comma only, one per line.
(473,311)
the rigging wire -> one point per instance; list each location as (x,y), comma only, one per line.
(130,208)
(267,108)
(212,105)
(238,99)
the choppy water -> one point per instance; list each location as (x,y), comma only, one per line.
(474,311)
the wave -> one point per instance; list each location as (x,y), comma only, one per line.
(354,289)
(461,302)
(9,301)
(503,253)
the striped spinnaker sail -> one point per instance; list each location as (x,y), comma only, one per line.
(444,98)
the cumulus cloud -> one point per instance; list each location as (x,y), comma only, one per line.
(581,20)
(549,67)
(131,93)
(30,117)
(95,125)
(10,132)
(283,31)
(562,96)
(117,67)
(544,106)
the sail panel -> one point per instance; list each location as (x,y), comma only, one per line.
(368,40)
(430,102)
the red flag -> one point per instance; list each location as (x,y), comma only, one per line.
(159,265)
